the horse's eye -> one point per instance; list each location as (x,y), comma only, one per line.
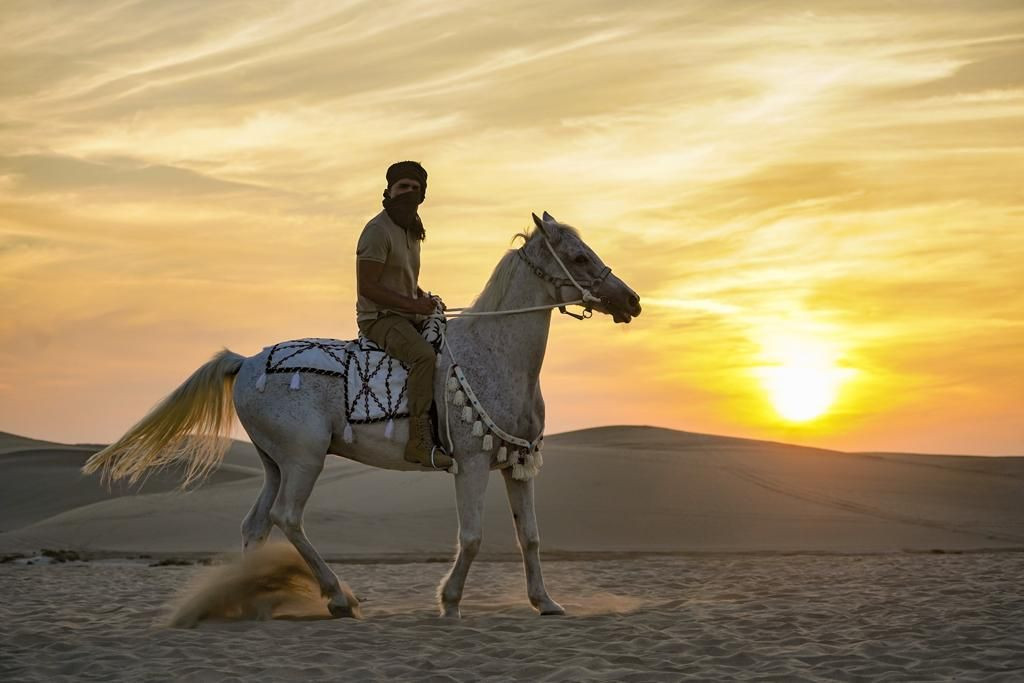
(581,259)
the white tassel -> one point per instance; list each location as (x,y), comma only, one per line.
(389,430)
(478,428)
(518,473)
(467,414)
(453,383)
(503,454)
(460,399)
(538,459)
(261,383)
(488,442)
(532,468)
(296,382)
(348,437)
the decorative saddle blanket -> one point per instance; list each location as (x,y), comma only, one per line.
(373,382)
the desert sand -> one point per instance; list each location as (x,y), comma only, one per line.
(677,555)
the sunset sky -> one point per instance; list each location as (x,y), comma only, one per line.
(793,192)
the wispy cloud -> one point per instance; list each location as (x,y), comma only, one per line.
(198,175)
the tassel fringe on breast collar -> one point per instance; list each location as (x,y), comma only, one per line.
(522,455)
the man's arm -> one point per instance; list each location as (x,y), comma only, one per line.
(368,280)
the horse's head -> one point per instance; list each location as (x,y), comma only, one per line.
(577,261)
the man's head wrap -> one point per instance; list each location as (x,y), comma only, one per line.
(411,170)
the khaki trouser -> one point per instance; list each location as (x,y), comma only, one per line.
(400,339)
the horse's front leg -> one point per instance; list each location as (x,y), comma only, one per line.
(520,499)
(470,487)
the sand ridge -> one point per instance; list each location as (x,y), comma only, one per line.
(687,492)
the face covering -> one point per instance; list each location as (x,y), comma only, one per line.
(402,209)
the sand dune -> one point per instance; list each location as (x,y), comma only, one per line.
(609,495)
(10,443)
(39,480)
(606,490)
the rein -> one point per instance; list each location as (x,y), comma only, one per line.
(586,298)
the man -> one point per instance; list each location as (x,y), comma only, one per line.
(390,304)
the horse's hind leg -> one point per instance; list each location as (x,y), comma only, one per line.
(297,480)
(257,525)
(520,499)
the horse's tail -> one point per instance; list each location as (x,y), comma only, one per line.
(191,426)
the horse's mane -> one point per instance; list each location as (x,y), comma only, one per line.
(491,295)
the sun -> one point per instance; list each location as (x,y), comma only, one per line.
(803,380)
(801,393)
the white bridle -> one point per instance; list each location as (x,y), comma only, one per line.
(586,296)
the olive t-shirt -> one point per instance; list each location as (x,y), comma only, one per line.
(385,242)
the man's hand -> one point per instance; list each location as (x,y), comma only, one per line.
(424,306)
(438,302)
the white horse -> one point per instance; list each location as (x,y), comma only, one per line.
(500,356)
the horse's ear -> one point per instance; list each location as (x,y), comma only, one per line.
(546,227)
(548,218)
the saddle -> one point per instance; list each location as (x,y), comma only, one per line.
(374,383)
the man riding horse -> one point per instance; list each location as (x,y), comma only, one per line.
(294,431)
(390,304)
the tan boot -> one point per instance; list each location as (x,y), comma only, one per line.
(420,447)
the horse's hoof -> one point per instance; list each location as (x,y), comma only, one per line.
(551,609)
(452,612)
(343,610)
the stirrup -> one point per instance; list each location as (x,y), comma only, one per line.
(433,448)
